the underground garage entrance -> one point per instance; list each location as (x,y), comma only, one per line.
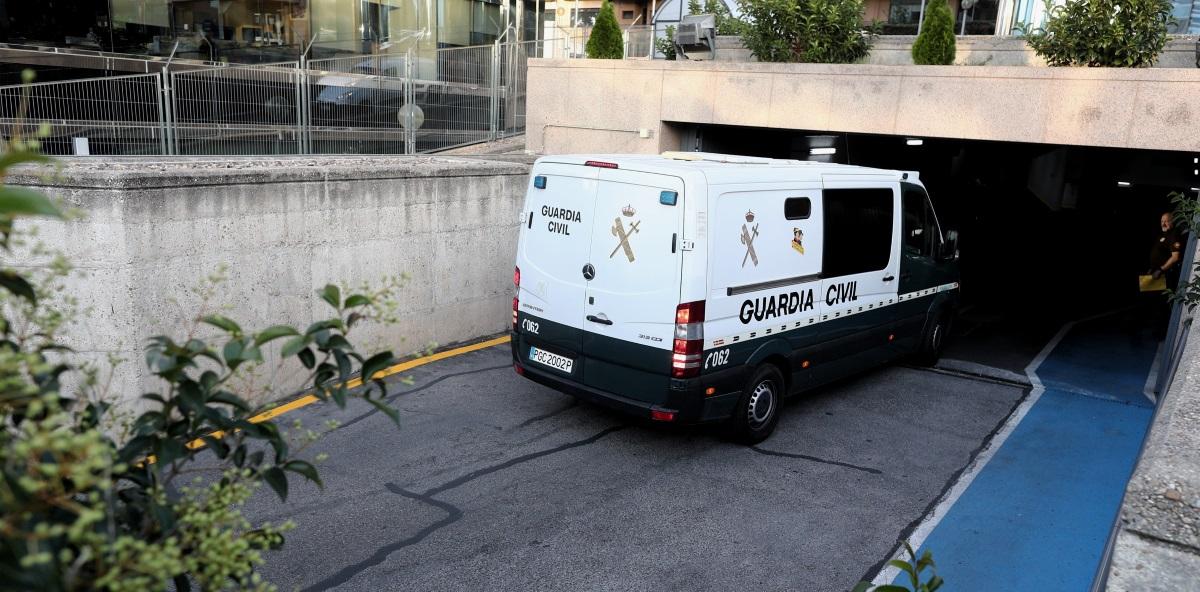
(1047,234)
(1052,240)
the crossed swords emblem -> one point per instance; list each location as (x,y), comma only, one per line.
(748,236)
(618,230)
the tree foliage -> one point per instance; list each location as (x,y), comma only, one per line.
(1187,216)
(91,499)
(935,45)
(606,41)
(666,44)
(819,31)
(1101,33)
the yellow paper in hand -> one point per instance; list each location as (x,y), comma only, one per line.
(1147,283)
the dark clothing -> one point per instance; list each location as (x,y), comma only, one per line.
(1171,241)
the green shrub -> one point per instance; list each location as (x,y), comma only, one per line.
(819,31)
(606,41)
(935,43)
(911,568)
(92,501)
(666,44)
(1101,33)
(1187,216)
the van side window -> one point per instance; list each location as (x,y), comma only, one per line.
(797,208)
(921,236)
(858,231)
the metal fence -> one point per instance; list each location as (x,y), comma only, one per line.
(572,43)
(368,104)
(639,41)
(116,115)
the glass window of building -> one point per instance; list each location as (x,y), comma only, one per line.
(61,23)
(258,31)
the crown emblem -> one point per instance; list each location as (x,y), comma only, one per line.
(628,211)
(749,216)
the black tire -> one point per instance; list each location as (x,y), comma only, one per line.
(933,342)
(757,412)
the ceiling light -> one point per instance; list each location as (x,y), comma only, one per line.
(914,141)
(822,151)
(1124,183)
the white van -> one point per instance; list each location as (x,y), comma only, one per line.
(695,287)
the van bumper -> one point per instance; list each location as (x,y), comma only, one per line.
(686,397)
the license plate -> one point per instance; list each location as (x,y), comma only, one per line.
(545,358)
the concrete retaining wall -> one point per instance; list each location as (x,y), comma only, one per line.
(1151,108)
(1158,544)
(284,228)
(971,50)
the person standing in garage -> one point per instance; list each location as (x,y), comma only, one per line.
(1166,258)
(1167,253)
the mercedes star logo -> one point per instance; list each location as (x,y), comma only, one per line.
(589,272)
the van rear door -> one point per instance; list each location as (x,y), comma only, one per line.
(554,246)
(636,255)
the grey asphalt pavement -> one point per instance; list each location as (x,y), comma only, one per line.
(493,482)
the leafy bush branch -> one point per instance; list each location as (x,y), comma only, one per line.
(912,569)
(818,31)
(87,503)
(1187,215)
(1101,33)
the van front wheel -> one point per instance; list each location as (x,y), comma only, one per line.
(757,411)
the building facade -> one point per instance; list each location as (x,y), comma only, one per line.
(258,31)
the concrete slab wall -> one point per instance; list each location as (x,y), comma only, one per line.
(573,104)
(151,231)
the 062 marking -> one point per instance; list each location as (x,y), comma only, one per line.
(716,358)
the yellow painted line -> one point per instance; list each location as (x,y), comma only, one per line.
(390,370)
(307,400)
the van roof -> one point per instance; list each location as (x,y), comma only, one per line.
(728,168)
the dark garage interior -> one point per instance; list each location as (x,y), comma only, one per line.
(1048,234)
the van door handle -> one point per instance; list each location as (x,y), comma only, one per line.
(889,277)
(601,320)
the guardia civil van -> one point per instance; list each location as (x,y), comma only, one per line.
(693,287)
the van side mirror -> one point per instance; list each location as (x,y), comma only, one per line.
(950,246)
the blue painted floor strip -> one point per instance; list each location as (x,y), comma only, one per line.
(1038,515)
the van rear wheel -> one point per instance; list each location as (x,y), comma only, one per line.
(757,412)
(933,342)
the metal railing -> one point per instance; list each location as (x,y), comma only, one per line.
(639,41)
(369,104)
(115,115)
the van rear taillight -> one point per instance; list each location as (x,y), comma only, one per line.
(516,294)
(600,164)
(689,340)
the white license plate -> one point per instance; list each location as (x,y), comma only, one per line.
(555,361)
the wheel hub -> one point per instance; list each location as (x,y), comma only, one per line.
(762,404)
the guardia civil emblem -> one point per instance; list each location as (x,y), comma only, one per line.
(748,236)
(623,235)
(798,240)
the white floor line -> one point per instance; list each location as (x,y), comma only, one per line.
(1152,377)
(931,520)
